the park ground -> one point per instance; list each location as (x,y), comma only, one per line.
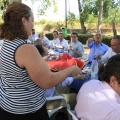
(86,49)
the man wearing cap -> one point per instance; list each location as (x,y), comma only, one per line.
(96,47)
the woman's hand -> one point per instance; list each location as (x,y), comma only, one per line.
(75,70)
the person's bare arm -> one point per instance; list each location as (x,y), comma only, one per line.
(76,52)
(29,58)
(90,40)
(58,46)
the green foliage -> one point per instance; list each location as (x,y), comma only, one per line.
(71,18)
(44,5)
(43,21)
(92,19)
(107,6)
(107,39)
(4,4)
(1,19)
(48,27)
(111,15)
(86,9)
(49,36)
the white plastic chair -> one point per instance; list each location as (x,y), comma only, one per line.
(73,116)
(50,112)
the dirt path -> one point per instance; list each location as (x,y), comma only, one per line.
(86,49)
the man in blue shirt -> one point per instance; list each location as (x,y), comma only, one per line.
(96,47)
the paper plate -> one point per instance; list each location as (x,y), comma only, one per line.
(86,70)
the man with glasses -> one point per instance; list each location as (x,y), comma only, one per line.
(76,47)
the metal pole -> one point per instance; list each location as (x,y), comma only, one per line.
(66,13)
(71,27)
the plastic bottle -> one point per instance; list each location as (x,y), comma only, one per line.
(94,69)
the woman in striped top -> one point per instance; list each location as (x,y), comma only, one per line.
(24,75)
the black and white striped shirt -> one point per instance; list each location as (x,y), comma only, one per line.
(18,93)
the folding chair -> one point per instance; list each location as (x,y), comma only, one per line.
(73,116)
(64,104)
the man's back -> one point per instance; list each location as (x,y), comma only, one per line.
(96,100)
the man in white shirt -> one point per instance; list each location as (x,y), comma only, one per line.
(33,37)
(100,100)
(55,37)
(61,45)
(115,49)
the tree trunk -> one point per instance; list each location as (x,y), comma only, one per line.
(100,16)
(114,28)
(113,23)
(66,13)
(83,28)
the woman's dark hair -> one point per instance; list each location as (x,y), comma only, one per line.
(38,41)
(74,33)
(12,26)
(100,72)
(55,32)
(112,69)
(40,49)
(117,37)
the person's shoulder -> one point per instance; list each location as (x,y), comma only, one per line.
(89,86)
(35,35)
(46,37)
(64,40)
(79,42)
(110,49)
(105,45)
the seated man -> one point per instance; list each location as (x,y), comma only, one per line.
(61,45)
(100,100)
(76,47)
(45,40)
(96,47)
(33,37)
(61,89)
(115,49)
(55,38)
